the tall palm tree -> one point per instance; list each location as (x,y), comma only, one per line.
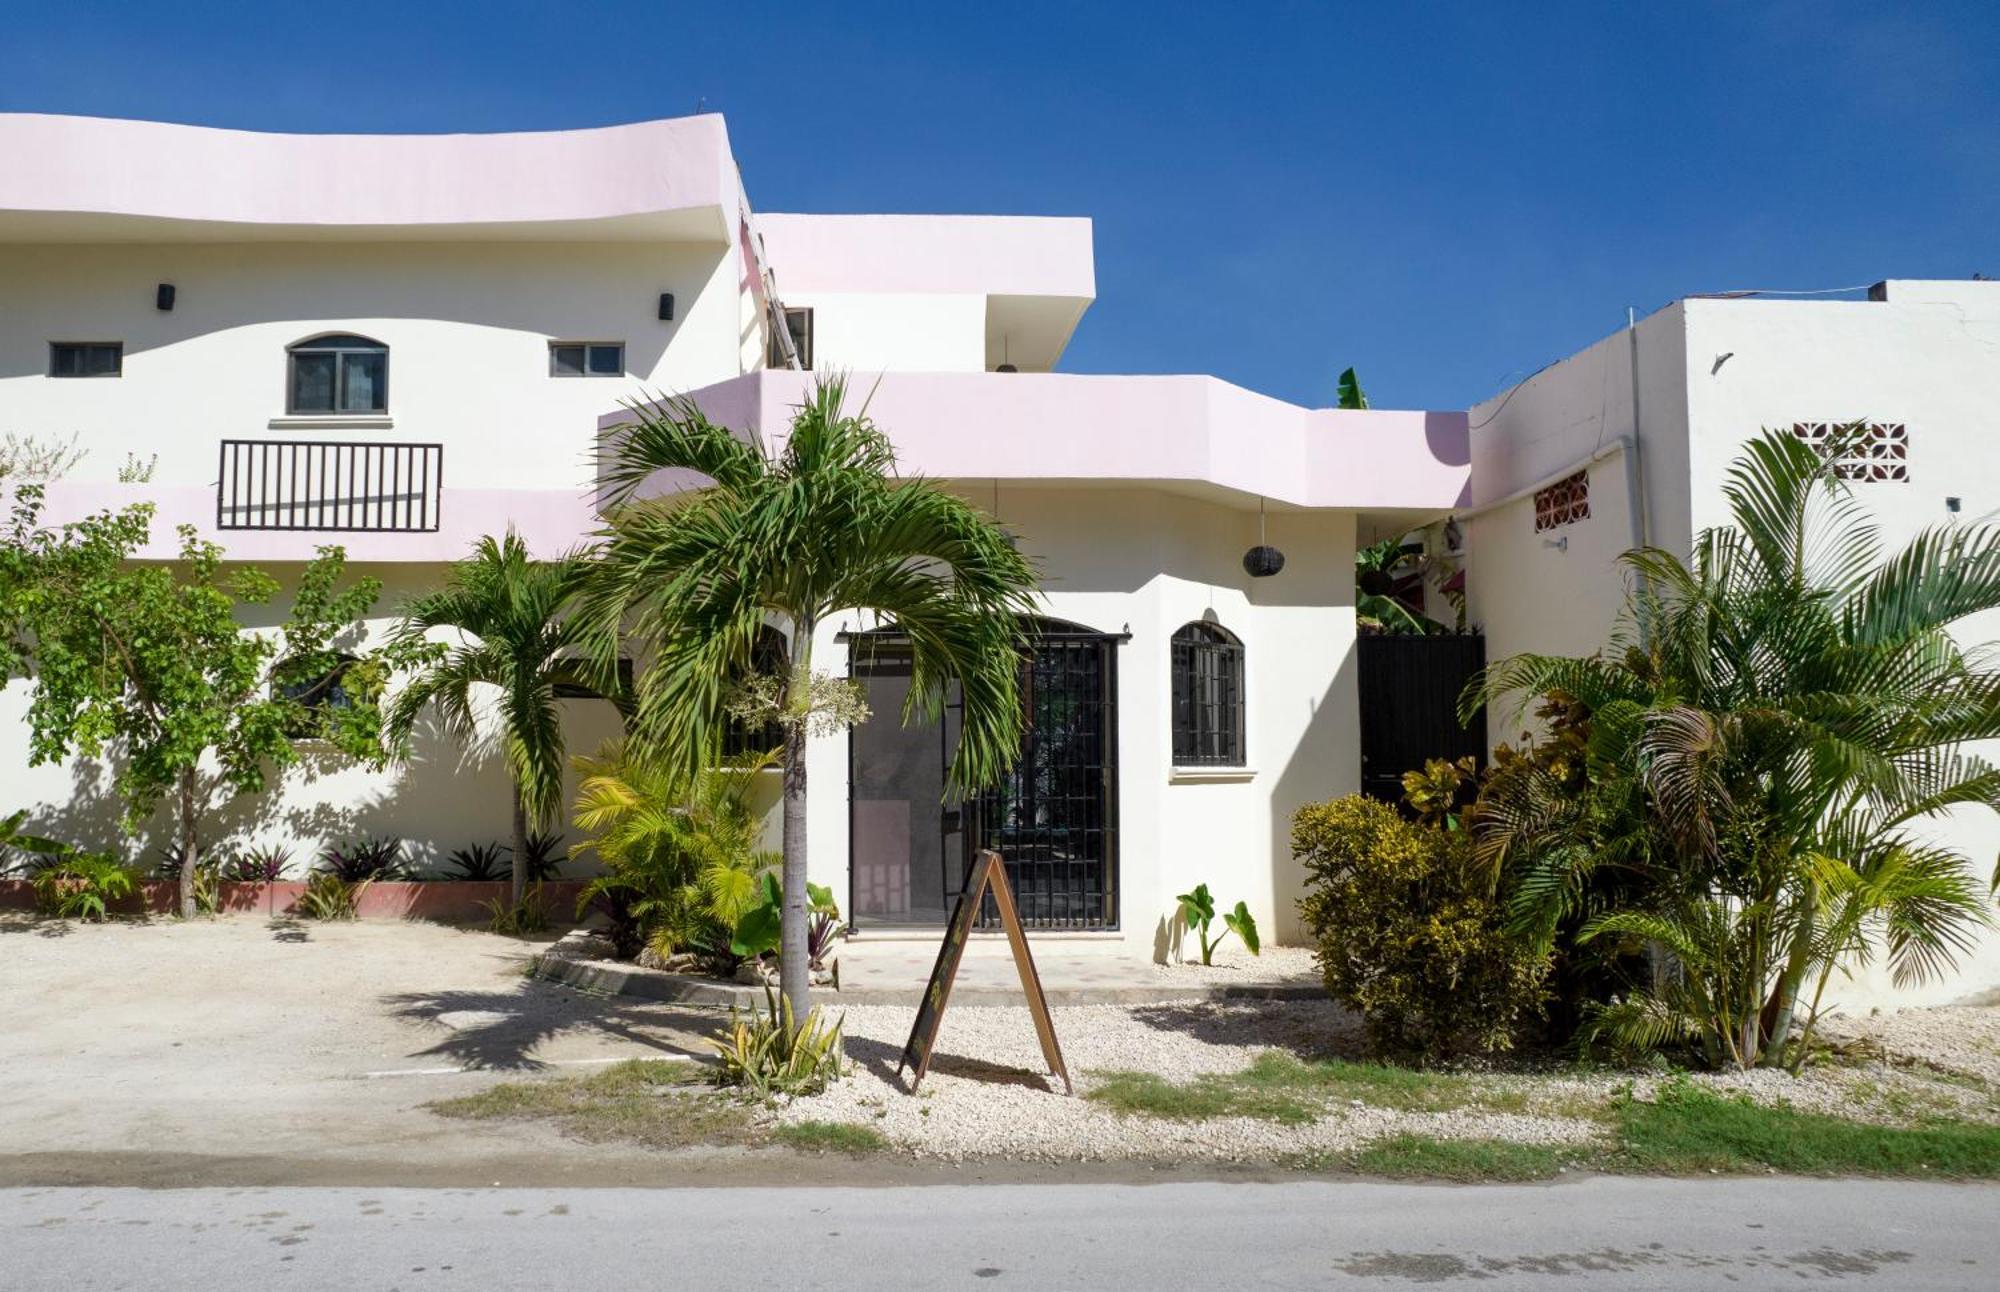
(518,640)
(823,527)
(1770,726)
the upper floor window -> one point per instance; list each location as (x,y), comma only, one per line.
(798,322)
(339,374)
(86,358)
(320,695)
(586,358)
(1208,697)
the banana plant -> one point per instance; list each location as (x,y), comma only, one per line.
(760,929)
(1198,913)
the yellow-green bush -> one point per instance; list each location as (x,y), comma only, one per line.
(1409,933)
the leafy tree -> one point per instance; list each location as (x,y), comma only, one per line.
(1772,722)
(823,527)
(518,644)
(146,661)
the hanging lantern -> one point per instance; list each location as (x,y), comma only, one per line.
(1263,560)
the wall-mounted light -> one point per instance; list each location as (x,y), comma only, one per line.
(1954,504)
(1263,560)
(666,307)
(163,296)
(1560,544)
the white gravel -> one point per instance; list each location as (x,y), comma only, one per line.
(988,1092)
(1234,964)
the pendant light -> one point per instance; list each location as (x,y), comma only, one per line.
(1263,560)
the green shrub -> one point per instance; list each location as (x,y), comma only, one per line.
(769,1052)
(83,885)
(329,897)
(518,919)
(1409,934)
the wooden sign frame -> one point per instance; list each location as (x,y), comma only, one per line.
(989,874)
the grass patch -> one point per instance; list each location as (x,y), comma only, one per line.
(1689,1129)
(850,1138)
(656,1104)
(1419,1157)
(1283,1088)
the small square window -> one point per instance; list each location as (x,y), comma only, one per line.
(1563,503)
(798,322)
(86,359)
(587,359)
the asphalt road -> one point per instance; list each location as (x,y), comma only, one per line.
(1611,1233)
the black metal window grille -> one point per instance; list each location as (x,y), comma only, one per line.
(770,657)
(324,485)
(338,374)
(1207,690)
(1054,819)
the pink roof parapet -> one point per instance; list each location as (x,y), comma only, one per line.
(142,178)
(983,255)
(1195,433)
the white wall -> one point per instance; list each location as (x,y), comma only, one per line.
(895,331)
(467,327)
(1146,563)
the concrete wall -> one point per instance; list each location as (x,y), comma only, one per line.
(896,331)
(1147,563)
(467,326)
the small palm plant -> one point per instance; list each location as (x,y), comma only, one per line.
(1197,911)
(516,646)
(824,527)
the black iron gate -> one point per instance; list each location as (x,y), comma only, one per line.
(1409,704)
(1054,819)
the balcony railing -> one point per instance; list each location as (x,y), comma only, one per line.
(328,485)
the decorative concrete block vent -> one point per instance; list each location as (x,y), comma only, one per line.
(1873,451)
(1565,501)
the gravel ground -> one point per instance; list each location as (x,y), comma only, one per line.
(988,1095)
(1233,963)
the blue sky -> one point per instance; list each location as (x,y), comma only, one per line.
(1445,196)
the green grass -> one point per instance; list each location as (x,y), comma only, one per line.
(1419,1157)
(831,1137)
(1692,1130)
(655,1104)
(1282,1088)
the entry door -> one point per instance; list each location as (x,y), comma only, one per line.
(906,855)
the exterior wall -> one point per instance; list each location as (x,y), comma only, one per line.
(444,798)
(897,332)
(1929,357)
(1147,563)
(1713,373)
(467,326)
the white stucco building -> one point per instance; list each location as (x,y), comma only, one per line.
(1918,361)
(399,344)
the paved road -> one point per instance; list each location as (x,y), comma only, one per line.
(1612,1233)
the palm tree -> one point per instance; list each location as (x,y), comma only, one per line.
(821,528)
(1771,724)
(519,640)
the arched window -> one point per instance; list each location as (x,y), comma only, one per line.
(770,657)
(1208,697)
(320,693)
(338,374)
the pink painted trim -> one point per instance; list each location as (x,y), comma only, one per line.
(1132,430)
(450,901)
(155,170)
(551,521)
(985,255)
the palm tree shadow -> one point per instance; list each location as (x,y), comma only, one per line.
(502,1030)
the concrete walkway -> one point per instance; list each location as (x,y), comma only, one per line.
(894,971)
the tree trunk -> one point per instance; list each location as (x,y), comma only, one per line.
(190,845)
(1785,998)
(794,969)
(520,847)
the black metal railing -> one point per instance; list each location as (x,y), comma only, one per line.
(329,485)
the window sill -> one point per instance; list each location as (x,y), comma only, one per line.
(333,422)
(1178,774)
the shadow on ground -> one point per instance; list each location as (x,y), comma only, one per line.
(508,1029)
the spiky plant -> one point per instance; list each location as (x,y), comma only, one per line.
(823,526)
(516,644)
(1770,726)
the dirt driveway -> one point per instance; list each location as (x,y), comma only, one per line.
(241,1051)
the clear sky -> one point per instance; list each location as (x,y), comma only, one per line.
(1445,196)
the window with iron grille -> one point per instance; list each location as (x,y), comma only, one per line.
(1208,697)
(770,657)
(1565,501)
(1864,451)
